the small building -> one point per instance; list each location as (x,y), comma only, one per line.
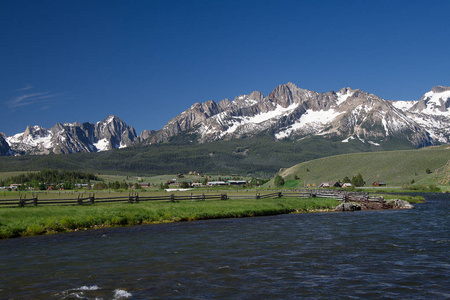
(237,182)
(14,186)
(379,183)
(346,185)
(328,184)
(214,183)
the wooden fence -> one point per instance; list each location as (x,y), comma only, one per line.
(135,198)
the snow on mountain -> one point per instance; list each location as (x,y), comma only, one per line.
(403,104)
(292,112)
(66,138)
(432,112)
(287,112)
(311,121)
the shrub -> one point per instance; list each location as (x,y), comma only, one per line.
(278,181)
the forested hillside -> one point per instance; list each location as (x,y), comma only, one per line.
(261,156)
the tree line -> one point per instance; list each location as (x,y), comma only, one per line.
(44,178)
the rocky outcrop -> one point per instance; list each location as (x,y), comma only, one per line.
(347,206)
(371,204)
(397,203)
(4,146)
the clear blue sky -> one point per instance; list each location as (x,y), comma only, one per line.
(147,61)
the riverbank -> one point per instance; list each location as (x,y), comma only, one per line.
(31,221)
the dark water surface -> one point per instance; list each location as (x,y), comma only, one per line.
(359,255)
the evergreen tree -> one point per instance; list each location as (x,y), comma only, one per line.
(358,180)
(184,185)
(278,181)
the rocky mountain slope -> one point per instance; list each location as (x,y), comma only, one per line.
(4,146)
(66,138)
(288,112)
(292,112)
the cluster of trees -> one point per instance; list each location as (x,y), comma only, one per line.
(41,180)
(116,185)
(356,181)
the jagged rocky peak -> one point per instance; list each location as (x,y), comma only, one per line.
(345,91)
(257,96)
(73,137)
(112,133)
(35,131)
(436,101)
(287,112)
(440,89)
(292,112)
(284,94)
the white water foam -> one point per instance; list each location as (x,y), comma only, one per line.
(87,288)
(120,294)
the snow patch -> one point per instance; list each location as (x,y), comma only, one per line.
(404,104)
(342,97)
(348,139)
(40,140)
(384,122)
(434,102)
(102,145)
(230,129)
(315,119)
(109,119)
(278,112)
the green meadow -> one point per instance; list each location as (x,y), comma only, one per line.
(395,168)
(29,221)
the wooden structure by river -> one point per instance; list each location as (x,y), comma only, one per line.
(134,197)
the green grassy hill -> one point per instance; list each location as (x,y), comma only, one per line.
(392,167)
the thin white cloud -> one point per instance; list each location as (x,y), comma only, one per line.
(26,88)
(43,98)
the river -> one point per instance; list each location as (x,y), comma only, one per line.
(353,255)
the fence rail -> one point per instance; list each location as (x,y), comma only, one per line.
(135,198)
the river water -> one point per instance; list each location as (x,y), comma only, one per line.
(352,255)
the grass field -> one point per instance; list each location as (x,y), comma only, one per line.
(29,221)
(393,167)
(6,175)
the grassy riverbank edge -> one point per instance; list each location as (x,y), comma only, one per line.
(32,221)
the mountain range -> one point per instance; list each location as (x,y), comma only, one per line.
(288,112)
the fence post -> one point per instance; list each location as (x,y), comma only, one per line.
(223,196)
(172,197)
(258,195)
(79,201)
(136,198)
(203,197)
(21,201)
(35,199)
(130,198)
(279,194)
(92,198)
